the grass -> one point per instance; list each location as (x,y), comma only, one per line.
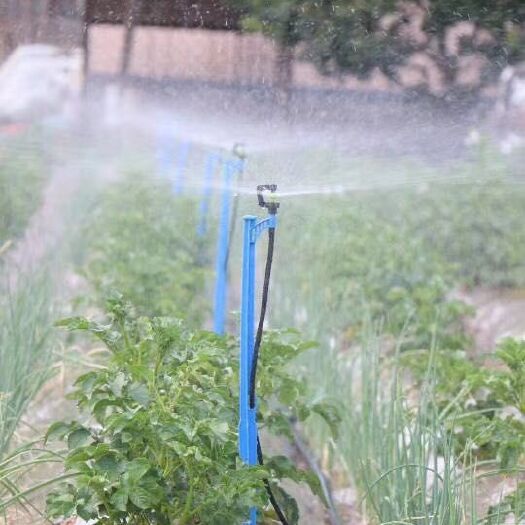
(25,349)
(26,354)
(22,179)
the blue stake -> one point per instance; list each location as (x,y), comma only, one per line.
(231,167)
(182,159)
(247,415)
(209,169)
(221,269)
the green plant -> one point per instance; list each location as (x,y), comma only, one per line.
(25,349)
(164,446)
(26,354)
(486,405)
(375,267)
(488,400)
(476,228)
(141,242)
(22,178)
(394,444)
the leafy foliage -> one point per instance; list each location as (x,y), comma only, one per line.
(397,255)
(494,419)
(357,36)
(141,242)
(164,446)
(377,270)
(487,407)
(478,229)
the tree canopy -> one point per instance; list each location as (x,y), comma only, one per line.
(434,45)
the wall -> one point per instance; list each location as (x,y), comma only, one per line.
(225,57)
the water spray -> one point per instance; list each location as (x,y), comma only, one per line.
(210,167)
(182,161)
(232,167)
(239,152)
(250,449)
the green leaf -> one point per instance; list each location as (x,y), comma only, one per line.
(120,499)
(87,381)
(73,323)
(100,408)
(78,438)
(139,393)
(141,498)
(136,469)
(118,383)
(220,429)
(108,464)
(289,392)
(58,430)
(331,414)
(287,504)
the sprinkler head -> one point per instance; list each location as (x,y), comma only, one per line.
(239,150)
(271,203)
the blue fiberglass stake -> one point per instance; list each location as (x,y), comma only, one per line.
(231,167)
(249,448)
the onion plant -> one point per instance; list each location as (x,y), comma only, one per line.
(26,357)
(393,443)
(24,350)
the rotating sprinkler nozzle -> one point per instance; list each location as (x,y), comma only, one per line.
(239,150)
(270,203)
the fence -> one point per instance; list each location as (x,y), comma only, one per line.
(223,57)
(215,56)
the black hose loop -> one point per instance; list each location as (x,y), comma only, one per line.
(264,302)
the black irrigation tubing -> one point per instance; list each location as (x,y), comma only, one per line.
(267,486)
(264,303)
(253,371)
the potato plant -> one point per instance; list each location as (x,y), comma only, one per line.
(141,241)
(477,228)
(162,446)
(377,272)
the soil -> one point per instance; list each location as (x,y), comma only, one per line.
(498,314)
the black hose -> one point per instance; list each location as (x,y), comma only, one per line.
(264,302)
(268,488)
(255,360)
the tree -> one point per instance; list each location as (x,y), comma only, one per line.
(438,46)
(283,21)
